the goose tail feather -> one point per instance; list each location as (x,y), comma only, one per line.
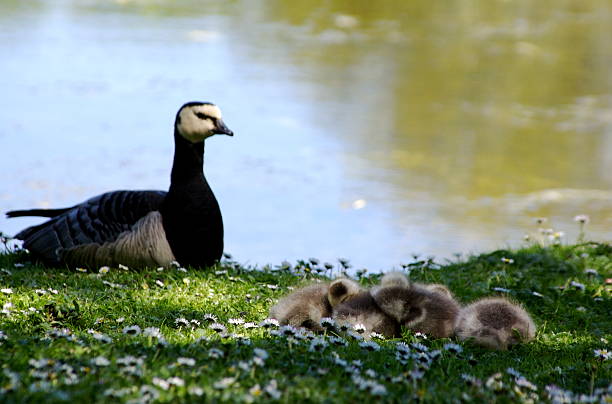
(36,212)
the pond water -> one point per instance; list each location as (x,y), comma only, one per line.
(366,130)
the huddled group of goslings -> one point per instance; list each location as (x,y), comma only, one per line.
(142,228)
(430,309)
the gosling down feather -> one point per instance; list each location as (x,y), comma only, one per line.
(142,228)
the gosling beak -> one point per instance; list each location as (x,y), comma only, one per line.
(221,129)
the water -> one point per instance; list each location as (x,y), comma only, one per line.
(366,130)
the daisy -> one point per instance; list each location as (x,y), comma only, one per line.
(272,390)
(101,337)
(210,317)
(419,347)
(522,382)
(215,353)
(338,341)
(317,345)
(236,321)
(217,327)
(261,353)
(161,383)
(577,285)
(602,354)
(181,361)
(288,331)
(360,328)
(103,270)
(402,347)
(582,219)
(369,345)
(152,332)
(181,322)
(269,323)
(453,348)
(132,330)
(196,391)
(327,322)
(224,383)
(176,381)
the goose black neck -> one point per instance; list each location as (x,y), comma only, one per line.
(188,162)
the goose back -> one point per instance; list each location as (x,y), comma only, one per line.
(99,220)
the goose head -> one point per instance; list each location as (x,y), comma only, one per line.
(196,121)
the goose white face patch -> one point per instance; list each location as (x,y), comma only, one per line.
(197,122)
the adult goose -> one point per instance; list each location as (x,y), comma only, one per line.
(142,228)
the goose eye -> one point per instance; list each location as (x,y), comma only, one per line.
(202,115)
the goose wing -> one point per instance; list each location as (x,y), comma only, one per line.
(98,220)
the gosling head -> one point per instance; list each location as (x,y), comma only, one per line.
(196,121)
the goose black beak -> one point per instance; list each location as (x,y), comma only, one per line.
(221,129)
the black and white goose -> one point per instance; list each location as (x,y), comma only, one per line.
(142,228)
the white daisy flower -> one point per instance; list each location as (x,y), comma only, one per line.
(215,353)
(152,332)
(269,323)
(161,383)
(217,327)
(224,383)
(132,330)
(369,345)
(272,390)
(103,270)
(261,353)
(182,361)
(100,361)
(453,348)
(210,317)
(582,219)
(317,345)
(360,328)
(236,321)
(288,331)
(338,341)
(327,322)
(602,354)
(176,381)
(577,285)
(6,291)
(196,391)
(522,382)
(181,322)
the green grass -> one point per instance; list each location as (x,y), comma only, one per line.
(572,323)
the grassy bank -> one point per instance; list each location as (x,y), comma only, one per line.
(148,336)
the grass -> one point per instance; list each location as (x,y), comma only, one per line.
(67,336)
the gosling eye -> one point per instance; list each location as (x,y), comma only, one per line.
(202,115)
